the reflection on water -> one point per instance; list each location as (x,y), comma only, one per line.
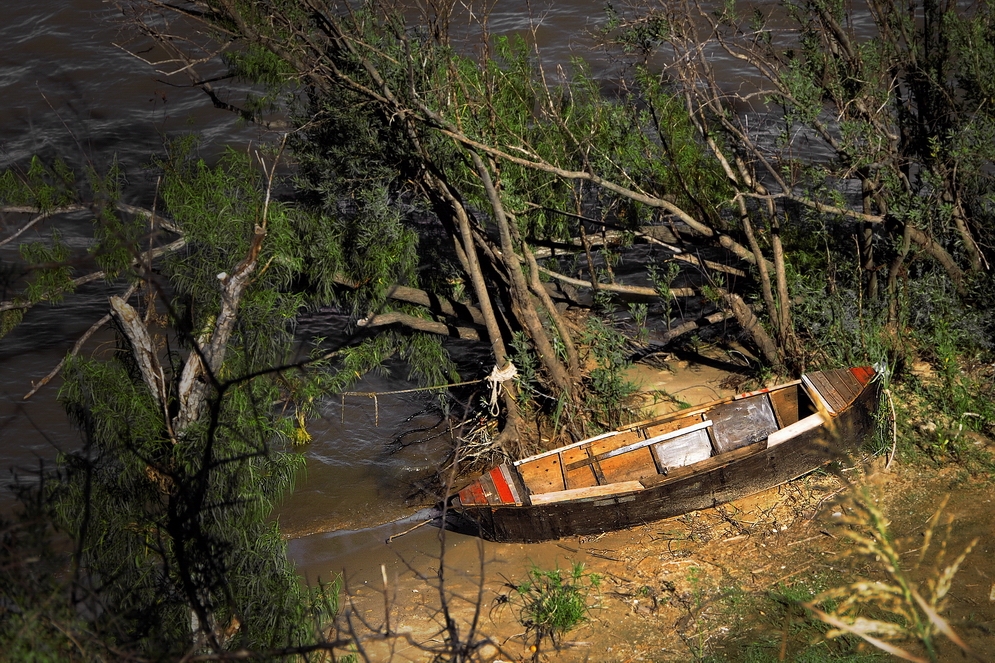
(355,477)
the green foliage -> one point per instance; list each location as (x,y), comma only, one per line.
(527,365)
(369,246)
(773,625)
(42,187)
(961,395)
(424,354)
(641,37)
(174,528)
(262,67)
(553,602)
(11,318)
(50,262)
(608,389)
(53,277)
(217,209)
(639,313)
(379,249)
(117,236)
(172,535)
(908,602)
(662,280)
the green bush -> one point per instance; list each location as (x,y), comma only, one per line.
(553,602)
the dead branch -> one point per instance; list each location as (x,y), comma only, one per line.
(143,349)
(419,324)
(15,209)
(690,326)
(432,301)
(35,386)
(641,291)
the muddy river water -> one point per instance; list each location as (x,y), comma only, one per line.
(65,89)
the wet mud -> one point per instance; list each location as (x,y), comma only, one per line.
(670,591)
(721,582)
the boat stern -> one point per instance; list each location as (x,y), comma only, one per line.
(836,390)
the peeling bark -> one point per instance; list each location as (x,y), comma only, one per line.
(142,347)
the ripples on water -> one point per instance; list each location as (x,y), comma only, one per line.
(66,90)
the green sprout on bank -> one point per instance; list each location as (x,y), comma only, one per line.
(553,602)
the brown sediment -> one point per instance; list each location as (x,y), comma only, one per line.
(670,582)
(703,580)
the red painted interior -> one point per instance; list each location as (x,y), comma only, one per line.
(504,492)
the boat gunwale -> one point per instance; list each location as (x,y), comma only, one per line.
(678,414)
(653,482)
(675,475)
(698,409)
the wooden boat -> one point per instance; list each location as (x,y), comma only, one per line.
(670,465)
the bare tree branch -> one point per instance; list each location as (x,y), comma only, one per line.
(35,386)
(420,324)
(16,209)
(641,291)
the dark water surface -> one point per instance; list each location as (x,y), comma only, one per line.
(67,90)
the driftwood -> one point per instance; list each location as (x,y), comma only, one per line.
(420,324)
(430,300)
(659,235)
(641,291)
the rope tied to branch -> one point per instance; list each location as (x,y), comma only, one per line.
(498,376)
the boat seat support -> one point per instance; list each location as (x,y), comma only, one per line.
(638,445)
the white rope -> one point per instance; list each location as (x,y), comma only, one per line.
(497,376)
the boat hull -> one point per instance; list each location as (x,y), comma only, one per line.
(719,479)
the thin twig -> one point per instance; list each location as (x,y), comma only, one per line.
(76,348)
(408,531)
(25,228)
(894,431)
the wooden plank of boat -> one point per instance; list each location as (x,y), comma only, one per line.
(587,493)
(575,445)
(593,461)
(545,475)
(725,460)
(785,406)
(674,424)
(791,431)
(838,388)
(639,445)
(494,487)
